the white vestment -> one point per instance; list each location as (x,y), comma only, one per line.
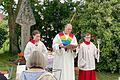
(86,56)
(38,46)
(63,60)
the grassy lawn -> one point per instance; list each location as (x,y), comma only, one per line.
(6,63)
(107,76)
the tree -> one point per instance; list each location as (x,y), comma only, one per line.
(50,16)
(3,32)
(101,19)
(12,8)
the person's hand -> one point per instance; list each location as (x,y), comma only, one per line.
(98,50)
(74,50)
(70,46)
(83,66)
(61,46)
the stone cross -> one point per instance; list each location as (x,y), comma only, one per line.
(26,19)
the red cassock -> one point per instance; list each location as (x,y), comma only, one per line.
(87,75)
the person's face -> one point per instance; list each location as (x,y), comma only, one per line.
(87,38)
(36,37)
(68,29)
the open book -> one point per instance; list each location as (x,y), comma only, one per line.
(71,46)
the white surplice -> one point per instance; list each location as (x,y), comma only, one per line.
(63,60)
(30,47)
(86,56)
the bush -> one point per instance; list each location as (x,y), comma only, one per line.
(3,32)
(103,20)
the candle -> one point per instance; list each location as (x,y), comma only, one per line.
(98,42)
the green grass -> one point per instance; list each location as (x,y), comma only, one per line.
(6,62)
(107,76)
(5,47)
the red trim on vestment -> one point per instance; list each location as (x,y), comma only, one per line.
(87,43)
(62,34)
(33,41)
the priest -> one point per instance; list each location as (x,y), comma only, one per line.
(65,48)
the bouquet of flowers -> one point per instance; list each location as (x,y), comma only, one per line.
(20,56)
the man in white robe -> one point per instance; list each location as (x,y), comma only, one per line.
(35,45)
(64,55)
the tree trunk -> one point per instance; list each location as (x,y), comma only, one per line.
(12,36)
(13,39)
